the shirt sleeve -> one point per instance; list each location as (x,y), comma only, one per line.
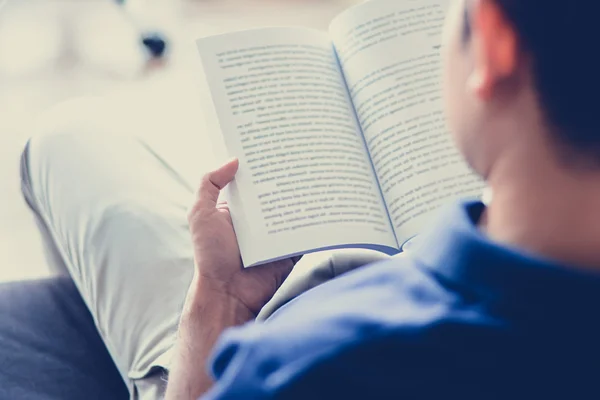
(260,359)
(233,368)
(375,369)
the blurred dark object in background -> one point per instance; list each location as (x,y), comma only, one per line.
(120,38)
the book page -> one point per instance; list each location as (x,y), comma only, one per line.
(305,180)
(389,51)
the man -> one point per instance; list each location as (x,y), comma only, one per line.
(496,302)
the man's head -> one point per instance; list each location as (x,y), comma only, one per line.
(523,73)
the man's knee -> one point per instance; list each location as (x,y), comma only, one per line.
(50,134)
(53,131)
(64,140)
(40,152)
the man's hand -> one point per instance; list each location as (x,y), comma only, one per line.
(218,260)
(222,293)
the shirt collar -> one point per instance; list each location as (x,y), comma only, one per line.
(459,252)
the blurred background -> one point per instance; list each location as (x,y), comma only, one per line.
(136,60)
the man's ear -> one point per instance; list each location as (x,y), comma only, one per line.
(495,47)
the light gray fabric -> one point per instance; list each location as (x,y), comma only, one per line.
(315,270)
(117,217)
(113,214)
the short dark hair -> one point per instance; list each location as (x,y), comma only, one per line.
(561,37)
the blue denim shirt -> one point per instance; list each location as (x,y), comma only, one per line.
(460,318)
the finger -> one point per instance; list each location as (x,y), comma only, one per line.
(283,272)
(278,270)
(214,181)
(224,209)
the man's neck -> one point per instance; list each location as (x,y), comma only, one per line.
(545,208)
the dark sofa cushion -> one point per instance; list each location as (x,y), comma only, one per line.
(49,345)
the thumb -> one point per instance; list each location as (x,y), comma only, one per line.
(214,181)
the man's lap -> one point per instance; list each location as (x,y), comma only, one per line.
(116,214)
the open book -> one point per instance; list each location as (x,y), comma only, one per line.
(341,136)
